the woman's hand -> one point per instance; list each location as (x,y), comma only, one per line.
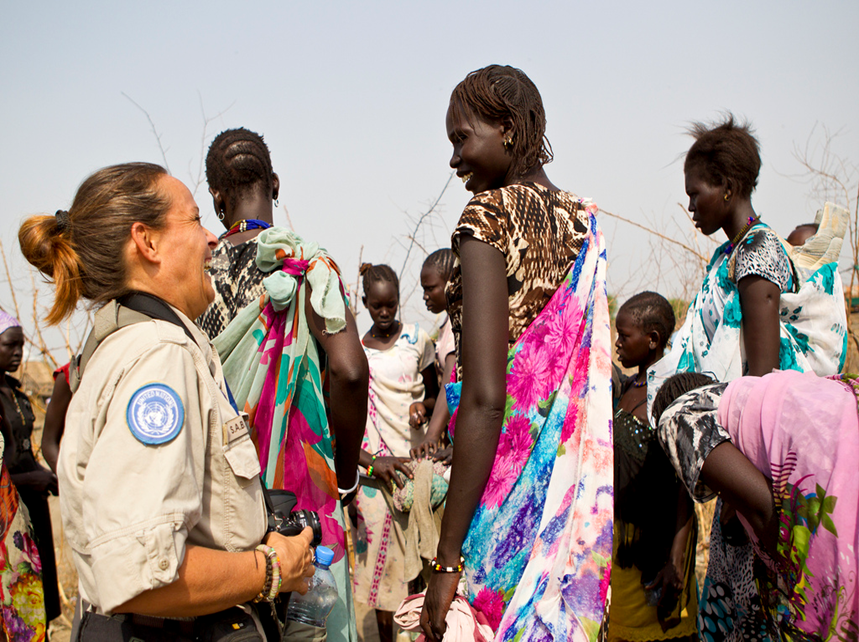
(417,414)
(385,467)
(296,559)
(670,581)
(40,480)
(440,593)
(444,455)
(426,449)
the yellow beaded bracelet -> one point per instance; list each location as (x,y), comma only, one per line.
(438,568)
(273,578)
(370,469)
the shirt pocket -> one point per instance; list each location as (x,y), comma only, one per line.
(242,457)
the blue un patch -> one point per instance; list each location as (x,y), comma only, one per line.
(155,414)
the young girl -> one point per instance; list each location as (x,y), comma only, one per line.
(434,276)
(401,371)
(652,582)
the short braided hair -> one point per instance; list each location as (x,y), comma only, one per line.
(497,92)
(651,311)
(371,274)
(238,164)
(441,261)
(724,151)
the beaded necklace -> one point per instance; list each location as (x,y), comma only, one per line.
(394,328)
(637,383)
(752,220)
(245,225)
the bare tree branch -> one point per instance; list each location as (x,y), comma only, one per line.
(154,130)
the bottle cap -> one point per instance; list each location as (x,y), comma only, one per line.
(324,555)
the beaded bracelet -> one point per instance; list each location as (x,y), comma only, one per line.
(438,568)
(273,578)
(370,469)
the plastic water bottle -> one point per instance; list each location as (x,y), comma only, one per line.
(314,606)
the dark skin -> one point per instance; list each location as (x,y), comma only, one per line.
(41,479)
(729,473)
(478,155)
(636,347)
(722,207)
(55,420)
(347,366)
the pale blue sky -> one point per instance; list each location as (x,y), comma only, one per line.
(351,98)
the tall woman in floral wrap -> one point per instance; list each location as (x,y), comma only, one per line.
(529,506)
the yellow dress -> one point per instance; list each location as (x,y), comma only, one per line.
(630,617)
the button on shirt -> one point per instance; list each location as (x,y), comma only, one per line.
(129,508)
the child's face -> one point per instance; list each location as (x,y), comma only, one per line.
(382,301)
(633,345)
(433,286)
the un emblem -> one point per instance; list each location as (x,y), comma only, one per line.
(155,414)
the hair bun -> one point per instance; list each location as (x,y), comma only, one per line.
(365,267)
(63,221)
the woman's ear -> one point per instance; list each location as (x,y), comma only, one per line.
(144,242)
(275,186)
(218,203)
(364,300)
(655,339)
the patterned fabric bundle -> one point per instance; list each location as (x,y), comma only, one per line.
(273,367)
(539,547)
(22,602)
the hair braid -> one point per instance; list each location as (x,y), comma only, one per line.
(442,262)
(238,164)
(374,273)
(498,92)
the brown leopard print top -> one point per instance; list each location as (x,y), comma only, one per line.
(540,234)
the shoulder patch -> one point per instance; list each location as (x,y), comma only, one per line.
(155,414)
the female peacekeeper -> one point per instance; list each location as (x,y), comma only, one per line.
(160,492)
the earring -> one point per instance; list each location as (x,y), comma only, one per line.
(727,197)
(508,142)
(220,215)
(277,202)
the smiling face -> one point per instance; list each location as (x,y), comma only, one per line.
(479,156)
(433,286)
(190,246)
(11,349)
(633,344)
(382,302)
(710,211)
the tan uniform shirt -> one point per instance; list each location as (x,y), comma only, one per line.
(129,507)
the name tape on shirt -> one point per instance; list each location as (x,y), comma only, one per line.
(236,428)
(155,414)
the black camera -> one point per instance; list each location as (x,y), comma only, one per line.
(284,519)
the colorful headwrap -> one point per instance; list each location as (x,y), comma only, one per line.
(7,321)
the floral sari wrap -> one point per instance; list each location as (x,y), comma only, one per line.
(273,367)
(801,431)
(22,602)
(538,552)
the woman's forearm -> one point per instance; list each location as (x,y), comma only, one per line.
(209,581)
(348,385)
(728,472)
